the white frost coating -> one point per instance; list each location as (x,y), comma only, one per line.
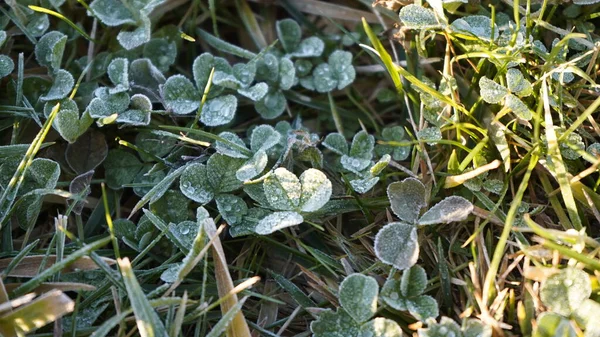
(565,291)
(316,190)
(252,167)
(283,190)
(264,137)
(396,244)
(336,143)
(518,107)
(381,327)
(228,149)
(477,25)
(219,110)
(193,183)
(418,17)
(407,198)
(180,95)
(63,83)
(276,221)
(364,185)
(490,91)
(451,209)
(358,296)
(255,92)
(517,83)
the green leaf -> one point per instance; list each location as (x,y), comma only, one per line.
(6,66)
(334,324)
(220,173)
(338,72)
(309,47)
(136,37)
(316,190)
(140,112)
(430,135)
(392,296)
(518,107)
(381,327)
(244,73)
(476,25)
(147,179)
(162,53)
(118,72)
(252,167)
(296,293)
(283,190)
(272,105)
(121,167)
(276,221)
(249,222)
(232,208)
(566,290)
(358,296)
(180,95)
(219,110)
(194,184)
(287,74)
(49,49)
(418,17)
(264,137)
(203,65)
(407,198)
(2,37)
(550,324)
(423,307)
(184,233)
(148,321)
(413,282)
(289,34)
(446,327)
(364,185)
(517,83)
(490,91)
(61,87)
(255,92)
(396,244)
(362,146)
(475,328)
(336,142)
(112,12)
(233,147)
(69,124)
(105,104)
(451,209)
(144,74)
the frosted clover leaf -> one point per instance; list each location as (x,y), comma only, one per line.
(358,296)
(50,48)
(517,83)
(418,17)
(280,75)
(219,110)
(61,87)
(431,135)
(453,208)
(491,92)
(6,66)
(360,154)
(290,36)
(338,72)
(68,122)
(180,95)
(407,294)
(291,196)
(118,72)
(407,198)
(396,244)
(478,26)
(334,324)
(395,134)
(494,93)
(447,327)
(566,290)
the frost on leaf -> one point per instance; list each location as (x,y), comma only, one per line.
(309,47)
(61,87)
(381,327)
(364,185)
(517,83)
(249,221)
(161,52)
(287,74)
(476,25)
(264,137)
(289,34)
(272,105)
(203,65)
(316,190)
(118,72)
(136,37)
(518,107)
(2,37)
(418,17)
(49,49)
(219,110)
(413,282)
(112,12)
(407,294)
(430,135)
(423,307)
(474,328)
(396,134)
(283,190)
(252,167)
(255,92)
(446,327)
(362,146)
(276,221)
(396,244)
(490,91)
(180,95)
(185,232)
(144,74)
(193,184)
(407,198)
(69,124)
(231,145)
(220,173)
(6,66)
(566,290)
(336,142)
(338,72)
(453,208)
(334,324)
(358,296)
(232,208)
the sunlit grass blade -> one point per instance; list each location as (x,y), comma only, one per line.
(62,17)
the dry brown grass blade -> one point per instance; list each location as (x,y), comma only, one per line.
(35,314)
(238,326)
(49,286)
(30,265)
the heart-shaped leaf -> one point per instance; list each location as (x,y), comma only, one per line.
(550,324)
(137,37)
(316,190)
(252,167)
(490,91)
(120,167)
(264,137)
(287,74)
(249,222)
(283,190)
(476,25)
(272,105)
(69,124)
(220,173)
(566,290)
(517,83)
(193,184)
(392,296)
(446,327)
(407,198)
(336,142)
(381,327)
(180,95)
(145,75)
(232,208)
(61,87)
(362,146)
(276,221)
(118,72)
(219,110)
(518,107)
(418,17)
(112,12)
(203,65)
(49,49)
(289,34)
(162,53)
(423,307)
(334,324)
(451,209)
(396,244)
(309,47)
(364,185)
(413,282)
(6,66)
(358,296)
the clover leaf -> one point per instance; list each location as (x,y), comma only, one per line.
(6,66)
(478,26)
(566,290)
(494,93)
(396,244)
(118,72)
(68,122)
(219,110)
(418,17)
(407,294)
(201,183)
(280,75)
(334,324)
(358,296)
(50,48)
(338,72)
(180,95)
(407,198)
(61,86)
(394,134)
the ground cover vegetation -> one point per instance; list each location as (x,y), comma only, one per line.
(299,168)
